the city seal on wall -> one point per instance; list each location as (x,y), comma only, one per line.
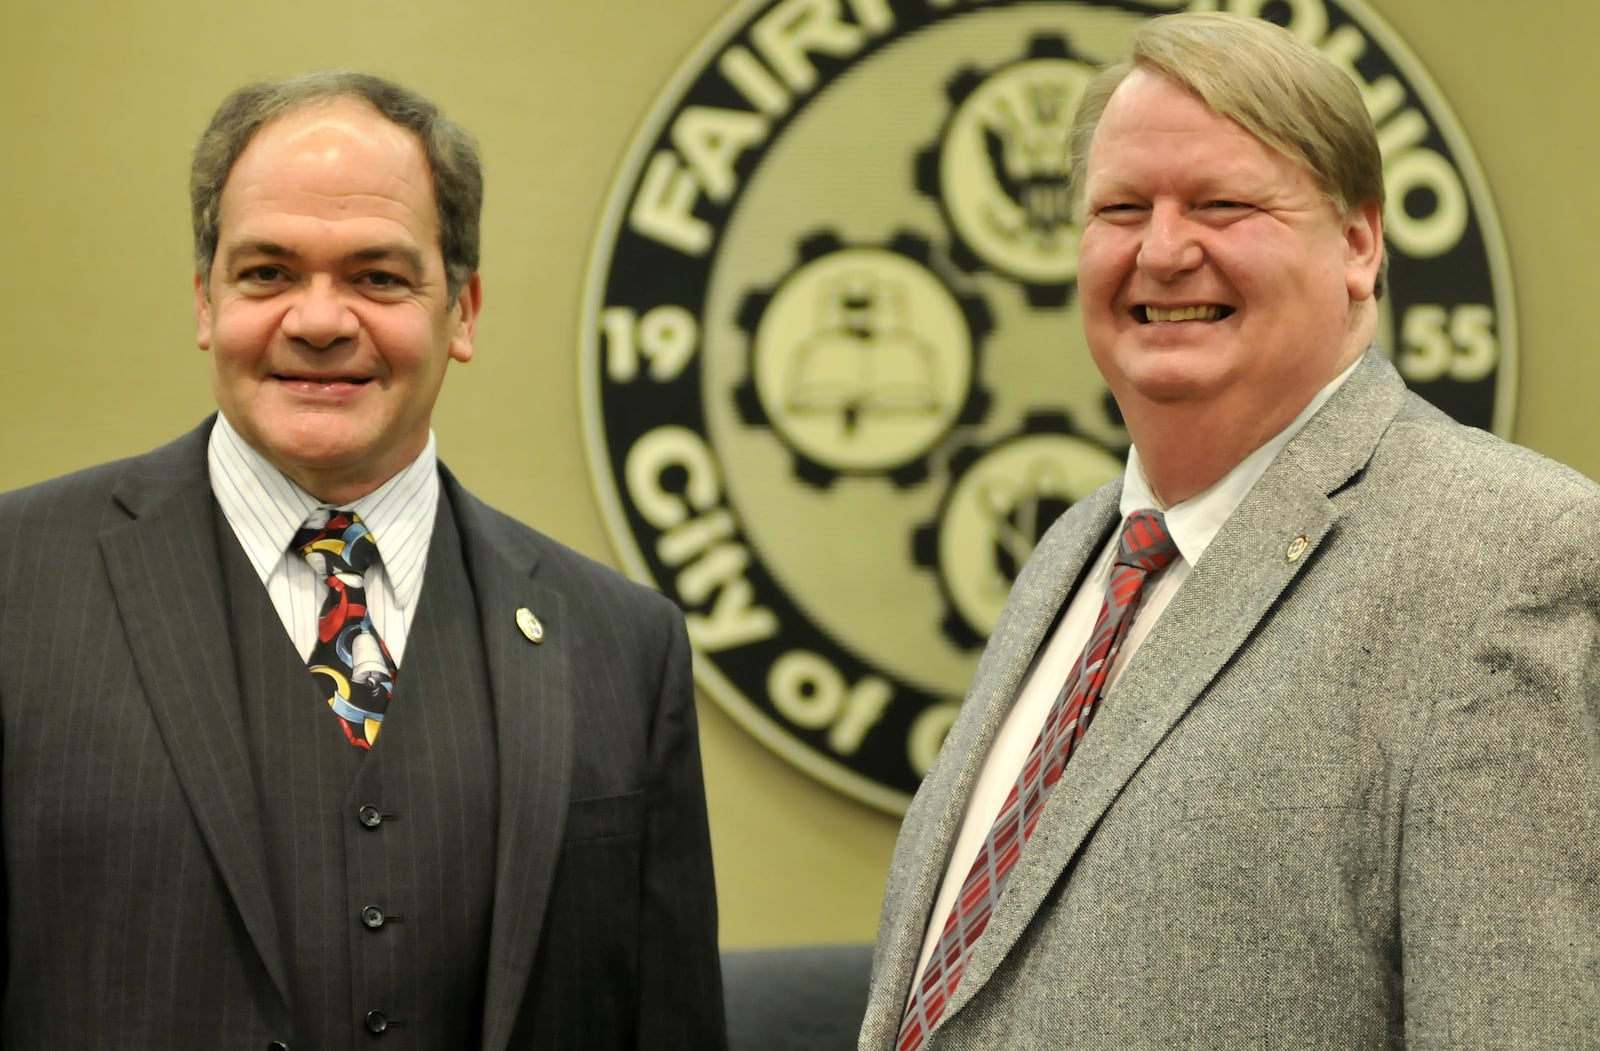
(833,381)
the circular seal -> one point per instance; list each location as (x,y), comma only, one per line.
(833,381)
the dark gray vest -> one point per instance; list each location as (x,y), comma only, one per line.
(380,864)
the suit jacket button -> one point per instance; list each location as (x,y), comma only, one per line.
(377,1022)
(370,816)
(277,1045)
(372,916)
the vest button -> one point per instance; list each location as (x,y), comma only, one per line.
(372,916)
(370,816)
(377,1022)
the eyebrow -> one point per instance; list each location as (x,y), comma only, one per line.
(407,254)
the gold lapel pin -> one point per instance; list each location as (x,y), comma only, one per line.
(1297,547)
(530,625)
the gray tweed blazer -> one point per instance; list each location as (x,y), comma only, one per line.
(1347,800)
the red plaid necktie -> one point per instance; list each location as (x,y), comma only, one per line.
(349,658)
(1144,549)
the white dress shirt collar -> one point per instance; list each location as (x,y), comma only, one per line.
(1196,521)
(265,509)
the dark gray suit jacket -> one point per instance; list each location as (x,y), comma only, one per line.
(136,912)
(1345,800)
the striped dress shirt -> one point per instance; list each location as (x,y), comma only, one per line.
(265,509)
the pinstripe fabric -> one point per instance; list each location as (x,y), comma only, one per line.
(103,840)
(430,864)
(302,773)
(426,865)
(1306,814)
(140,911)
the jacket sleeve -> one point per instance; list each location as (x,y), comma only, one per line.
(1500,863)
(680,976)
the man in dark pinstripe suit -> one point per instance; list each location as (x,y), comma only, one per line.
(195,855)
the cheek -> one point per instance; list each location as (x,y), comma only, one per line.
(1268,268)
(1101,262)
(242,330)
(407,341)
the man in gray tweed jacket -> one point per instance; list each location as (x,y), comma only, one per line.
(1341,788)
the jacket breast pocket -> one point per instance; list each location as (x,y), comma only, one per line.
(605,817)
(1284,789)
(1290,839)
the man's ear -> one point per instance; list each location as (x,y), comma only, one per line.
(468,302)
(202,312)
(1363,236)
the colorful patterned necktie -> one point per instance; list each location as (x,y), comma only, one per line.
(1144,549)
(348,658)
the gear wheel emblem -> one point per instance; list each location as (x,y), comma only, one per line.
(862,360)
(999,169)
(1000,502)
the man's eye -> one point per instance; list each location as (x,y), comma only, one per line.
(383,281)
(262,275)
(1119,211)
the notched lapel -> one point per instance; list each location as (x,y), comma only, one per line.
(935,818)
(528,681)
(166,576)
(1271,538)
(1243,572)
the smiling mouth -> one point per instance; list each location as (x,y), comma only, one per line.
(1211,312)
(324,381)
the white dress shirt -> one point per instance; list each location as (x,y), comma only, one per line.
(1193,524)
(265,510)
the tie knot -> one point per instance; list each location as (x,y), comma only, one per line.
(1145,542)
(336,541)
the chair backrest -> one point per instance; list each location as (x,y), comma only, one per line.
(801,998)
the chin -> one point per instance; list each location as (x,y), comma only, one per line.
(315,448)
(1167,377)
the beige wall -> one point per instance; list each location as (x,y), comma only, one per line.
(102,103)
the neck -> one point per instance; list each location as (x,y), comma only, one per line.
(1187,447)
(1179,463)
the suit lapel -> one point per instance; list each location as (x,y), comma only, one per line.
(529,684)
(1188,647)
(1269,540)
(165,571)
(934,820)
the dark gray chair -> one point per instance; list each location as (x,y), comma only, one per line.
(804,998)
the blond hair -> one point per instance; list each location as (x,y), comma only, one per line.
(1263,78)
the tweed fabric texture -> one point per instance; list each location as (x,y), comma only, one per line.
(1343,800)
(1144,548)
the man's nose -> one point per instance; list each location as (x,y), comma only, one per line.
(1170,247)
(320,316)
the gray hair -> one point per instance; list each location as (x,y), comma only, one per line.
(451,154)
